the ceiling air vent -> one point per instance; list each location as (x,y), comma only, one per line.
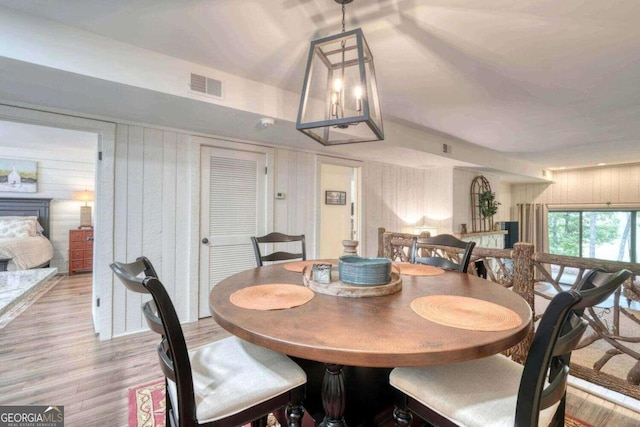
(206,85)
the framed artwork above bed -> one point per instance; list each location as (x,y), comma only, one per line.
(18,176)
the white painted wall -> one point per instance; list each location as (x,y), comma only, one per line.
(66,163)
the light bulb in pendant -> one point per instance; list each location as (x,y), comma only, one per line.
(337,85)
(335,97)
(358,93)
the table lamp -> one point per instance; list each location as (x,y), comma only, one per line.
(85,211)
(419,229)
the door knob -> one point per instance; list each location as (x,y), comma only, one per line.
(205,240)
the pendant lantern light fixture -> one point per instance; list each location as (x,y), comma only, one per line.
(339,102)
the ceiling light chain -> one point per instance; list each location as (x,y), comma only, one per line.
(338,106)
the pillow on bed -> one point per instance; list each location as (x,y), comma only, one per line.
(39,228)
(23,227)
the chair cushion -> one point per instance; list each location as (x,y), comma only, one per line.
(231,375)
(478,393)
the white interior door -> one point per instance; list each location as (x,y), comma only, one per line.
(232,209)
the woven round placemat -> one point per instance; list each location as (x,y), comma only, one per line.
(418,269)
(276,296)
(298,266)
(466,313)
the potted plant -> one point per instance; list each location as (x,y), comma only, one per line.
(488,203)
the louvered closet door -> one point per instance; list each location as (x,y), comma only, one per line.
(232,210)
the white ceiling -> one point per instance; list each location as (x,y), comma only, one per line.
(553,82)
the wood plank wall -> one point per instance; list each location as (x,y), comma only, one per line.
(156,206)
(154,163)
(607,184)
(295,176)
(154,174)
(155,216)
(398,198)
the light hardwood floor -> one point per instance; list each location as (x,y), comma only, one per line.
(49,355)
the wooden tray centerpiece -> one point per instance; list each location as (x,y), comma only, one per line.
(358,277)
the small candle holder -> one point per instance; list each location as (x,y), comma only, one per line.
(321,273)
(350,247)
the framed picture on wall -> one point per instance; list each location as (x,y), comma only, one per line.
(335,197)
(18,176)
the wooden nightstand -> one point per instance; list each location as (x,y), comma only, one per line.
(80,251)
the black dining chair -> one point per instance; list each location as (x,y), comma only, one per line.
(278,255)
(497,391)
(225,383)
(142,266)
(440,254)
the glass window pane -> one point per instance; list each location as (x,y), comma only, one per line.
(564,233)
(606,235)
(637,238)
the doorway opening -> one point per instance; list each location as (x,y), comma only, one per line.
(66,163)
(56,142)
(340,207)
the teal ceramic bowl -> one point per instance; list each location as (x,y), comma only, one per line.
(364,271)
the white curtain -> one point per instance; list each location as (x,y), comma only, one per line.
(533,225)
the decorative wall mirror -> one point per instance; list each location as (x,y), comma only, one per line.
(483,204)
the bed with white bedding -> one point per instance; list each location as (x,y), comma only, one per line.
(24,231)
(25,252)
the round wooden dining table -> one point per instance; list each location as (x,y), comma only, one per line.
(376,332)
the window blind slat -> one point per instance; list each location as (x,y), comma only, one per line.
(233,195)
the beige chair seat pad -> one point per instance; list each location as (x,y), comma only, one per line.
(230,375)
(477,393)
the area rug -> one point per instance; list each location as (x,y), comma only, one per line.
(147,407)
(569,421)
